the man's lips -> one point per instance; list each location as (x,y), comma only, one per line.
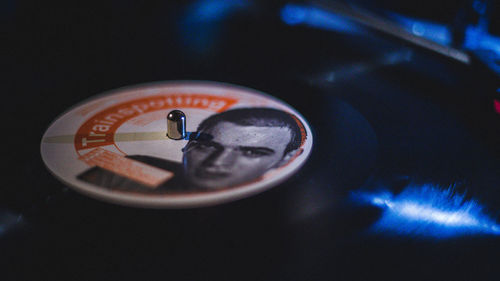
(211,174)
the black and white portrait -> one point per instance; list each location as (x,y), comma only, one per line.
(228,149)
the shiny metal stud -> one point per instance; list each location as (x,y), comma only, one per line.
(176,125)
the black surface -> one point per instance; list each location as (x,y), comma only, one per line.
(426,119)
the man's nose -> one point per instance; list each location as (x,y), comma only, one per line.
(224,158)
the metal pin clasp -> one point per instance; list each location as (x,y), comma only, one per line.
(176,125)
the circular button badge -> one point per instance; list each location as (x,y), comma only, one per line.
(231,143)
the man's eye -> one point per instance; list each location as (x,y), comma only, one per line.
(249,152)
(204,145)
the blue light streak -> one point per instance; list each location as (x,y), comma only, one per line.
(294,14)
(436,32)
(476,37)
(428,212)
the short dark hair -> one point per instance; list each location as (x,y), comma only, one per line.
(260,117)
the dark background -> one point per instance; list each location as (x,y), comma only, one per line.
(425,119)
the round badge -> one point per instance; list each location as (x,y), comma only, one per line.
(177,144)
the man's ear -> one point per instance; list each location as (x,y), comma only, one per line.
(289,157)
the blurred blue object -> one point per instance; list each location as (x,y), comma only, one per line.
(436,32)
(294,14)
(429,212)
(476,38)
(213,10)
(479,6)
(9,221)
(484,44)
(200,25)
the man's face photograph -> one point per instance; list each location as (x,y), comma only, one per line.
(234,154)
(228,149)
